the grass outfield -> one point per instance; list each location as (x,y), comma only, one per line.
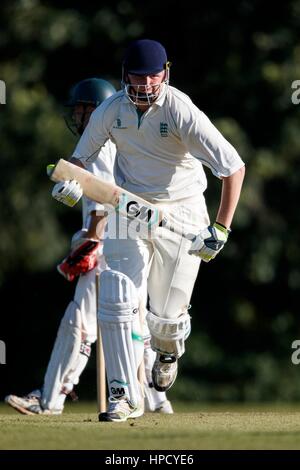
(194,426)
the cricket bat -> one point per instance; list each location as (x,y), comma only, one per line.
(104,192)
(126,203)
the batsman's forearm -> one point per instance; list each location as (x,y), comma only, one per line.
(231,190)
(96,226)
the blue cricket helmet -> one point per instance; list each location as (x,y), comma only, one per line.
(145,57)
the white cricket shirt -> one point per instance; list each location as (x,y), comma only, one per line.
(158,154)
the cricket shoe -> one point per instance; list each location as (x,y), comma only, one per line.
(164,372)
(151,406)
(164,407)
(120,409)
(30,404)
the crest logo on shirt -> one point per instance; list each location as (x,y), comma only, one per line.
(163,129)
(119,124)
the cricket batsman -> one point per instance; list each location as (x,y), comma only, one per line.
(162,141)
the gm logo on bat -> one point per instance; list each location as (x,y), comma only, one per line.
(134,210)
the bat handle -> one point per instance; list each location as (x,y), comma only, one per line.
(176,228)
(50,169)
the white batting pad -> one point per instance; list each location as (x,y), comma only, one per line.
(118,315)
(67,360)
(168,335)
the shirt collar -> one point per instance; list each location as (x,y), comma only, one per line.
(161,99)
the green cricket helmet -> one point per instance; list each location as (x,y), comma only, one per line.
(91,91)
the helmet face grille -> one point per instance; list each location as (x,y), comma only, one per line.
(138,94)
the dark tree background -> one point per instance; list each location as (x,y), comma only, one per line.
(237,60)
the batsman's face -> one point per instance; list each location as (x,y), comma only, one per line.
(146,88)
(148,82)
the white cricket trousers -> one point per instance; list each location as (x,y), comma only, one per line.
(161,266)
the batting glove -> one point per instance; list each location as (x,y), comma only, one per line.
(82,259)
(80,237)
(68,192)
(210,242)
